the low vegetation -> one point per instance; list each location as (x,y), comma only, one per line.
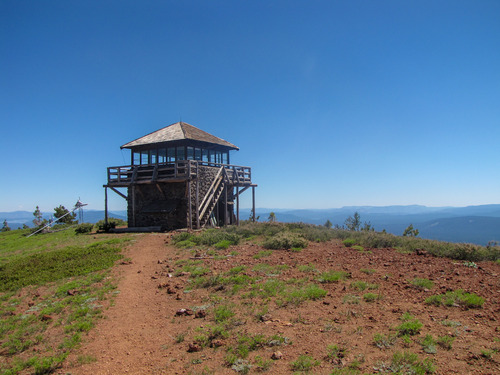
(53,287)
(297,235)
(456,298)
(60,282)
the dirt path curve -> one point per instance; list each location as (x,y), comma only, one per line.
(129,338)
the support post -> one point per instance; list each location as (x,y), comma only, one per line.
(189,217)
(106,206)
(253,204)
(237,206)
(225,205)
(197,202)
(133,206)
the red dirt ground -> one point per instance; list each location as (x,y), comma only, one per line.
(140,332)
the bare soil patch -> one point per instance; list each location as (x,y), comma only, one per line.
(146,332)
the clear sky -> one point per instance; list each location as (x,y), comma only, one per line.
(332,103)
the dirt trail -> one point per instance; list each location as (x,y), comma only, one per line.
(140,333)
(129,339)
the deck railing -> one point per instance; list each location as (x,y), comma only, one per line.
(180,170)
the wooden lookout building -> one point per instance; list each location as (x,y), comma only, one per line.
(180,177)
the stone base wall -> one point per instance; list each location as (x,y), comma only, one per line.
(165,204)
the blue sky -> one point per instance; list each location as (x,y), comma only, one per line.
(332,103)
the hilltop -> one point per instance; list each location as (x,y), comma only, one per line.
(281,298)
(222,303)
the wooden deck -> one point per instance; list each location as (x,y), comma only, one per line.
(184,170)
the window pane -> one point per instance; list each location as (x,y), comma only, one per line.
(181,153)
(204,155)
(170,155)
(197,153)
(162,155)
(190,153)
(136,158)
(144,157)
(225,158)
(153,156)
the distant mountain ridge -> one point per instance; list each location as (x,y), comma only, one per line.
(471,224)
(16,219)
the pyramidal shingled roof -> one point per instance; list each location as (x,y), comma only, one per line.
(177,132)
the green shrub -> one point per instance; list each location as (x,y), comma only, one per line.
(297,296)
(333,276)
(304,363)
(334,351)
(384,342)
(223,313)
(263,254)
(351,299)
(112,223)
(222,245)
(457,298)
(286,241)
(422,283)
(309,268)
(429,345)
(270,270)
(435,300)
(183,236)
(410,326)
(409,363)
(84,228)
(370,297)
(236,270)
(446,342)
(349,242)
(186,244)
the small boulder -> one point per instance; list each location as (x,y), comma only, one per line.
(276,355)
(194,347)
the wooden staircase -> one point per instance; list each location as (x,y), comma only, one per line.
(210,200)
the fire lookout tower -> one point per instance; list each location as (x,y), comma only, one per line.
(178,177)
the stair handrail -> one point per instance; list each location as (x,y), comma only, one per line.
(209,194)
(207,204)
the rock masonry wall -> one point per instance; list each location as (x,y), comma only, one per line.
(166,204)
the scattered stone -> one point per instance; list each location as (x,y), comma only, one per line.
(216,343)
(171,291)
(72,292)
(220,288)
(186,312)
(200,314)
(178,297)
(265,317)
(276,355)
(194,347)
(46,318)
